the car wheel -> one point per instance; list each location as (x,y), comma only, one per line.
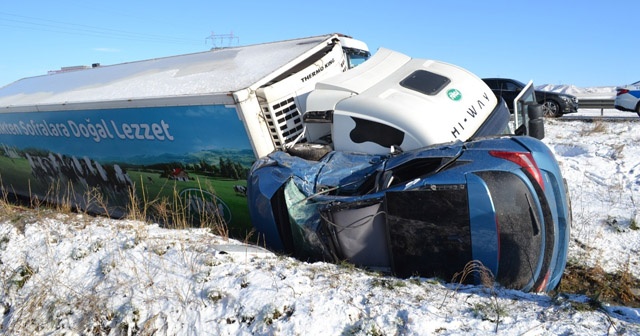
(638,109)
(550,109)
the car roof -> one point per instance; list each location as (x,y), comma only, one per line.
(504,79)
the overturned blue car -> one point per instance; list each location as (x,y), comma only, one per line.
(427,212)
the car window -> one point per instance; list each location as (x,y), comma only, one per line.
(508,86)
(491,83)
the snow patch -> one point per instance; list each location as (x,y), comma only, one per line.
(570,150)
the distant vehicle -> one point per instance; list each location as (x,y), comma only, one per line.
(628,98)
(554,104)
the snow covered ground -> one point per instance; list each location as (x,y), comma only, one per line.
(73,274)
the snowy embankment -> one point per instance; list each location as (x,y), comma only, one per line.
(596,92)
(73,274)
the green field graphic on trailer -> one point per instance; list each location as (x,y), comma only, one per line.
(199,154)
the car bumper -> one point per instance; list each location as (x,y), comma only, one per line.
(626,102)
(569,107)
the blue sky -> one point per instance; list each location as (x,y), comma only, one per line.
(550,42)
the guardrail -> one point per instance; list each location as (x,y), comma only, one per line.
(596,103)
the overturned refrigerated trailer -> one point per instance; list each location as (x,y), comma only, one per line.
(188,125)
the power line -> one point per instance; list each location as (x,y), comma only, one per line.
(31,23)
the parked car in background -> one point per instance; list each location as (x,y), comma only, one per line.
(554,104)
(628,98)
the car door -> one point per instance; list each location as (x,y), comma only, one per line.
(509,91)
(494,85)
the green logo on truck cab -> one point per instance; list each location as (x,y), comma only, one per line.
(454,94)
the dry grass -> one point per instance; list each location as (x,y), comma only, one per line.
(491,310)
(619,288)
(172,212)
(598,127)
(175,212)
(487,279)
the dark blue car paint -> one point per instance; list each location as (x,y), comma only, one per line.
(357,180)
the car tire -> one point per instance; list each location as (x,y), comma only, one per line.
(638,109)
(551,109)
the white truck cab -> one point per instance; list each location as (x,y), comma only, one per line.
(395,102)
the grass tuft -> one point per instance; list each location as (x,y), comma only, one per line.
(619,288)
(598,127)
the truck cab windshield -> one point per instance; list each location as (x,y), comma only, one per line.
(356,57)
